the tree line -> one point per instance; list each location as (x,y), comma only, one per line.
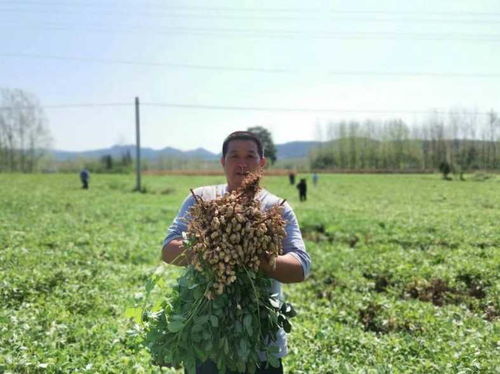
(460,141)
(24,136)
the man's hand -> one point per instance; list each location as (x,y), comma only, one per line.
(176,254)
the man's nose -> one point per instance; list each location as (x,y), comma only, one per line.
(241,164)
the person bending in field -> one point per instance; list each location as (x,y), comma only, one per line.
(242,152)
(84,177)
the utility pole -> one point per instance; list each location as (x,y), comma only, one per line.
(138,146)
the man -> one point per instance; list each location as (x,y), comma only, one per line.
(242,152)
(315,178)
(302,187)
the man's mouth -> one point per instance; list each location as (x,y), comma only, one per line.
(242,173)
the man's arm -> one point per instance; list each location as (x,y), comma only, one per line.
(288,269)
(174,253)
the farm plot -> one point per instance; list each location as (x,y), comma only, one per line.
(405,272)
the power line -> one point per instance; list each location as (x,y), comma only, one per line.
(278,70)
(283,34)
(300,11)
(295,110)
(159,64)
(66,106)
(241,108)
(167,14)
(328,11)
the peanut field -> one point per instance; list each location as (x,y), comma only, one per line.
(405,275)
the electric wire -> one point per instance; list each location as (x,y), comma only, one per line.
(274,33)
(169,14)
(240,108)
(276,70)
(299,11)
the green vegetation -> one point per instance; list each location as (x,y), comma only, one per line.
(405,272)
(398,146)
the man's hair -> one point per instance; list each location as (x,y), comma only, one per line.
(243,135)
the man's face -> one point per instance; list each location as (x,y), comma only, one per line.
(242,156)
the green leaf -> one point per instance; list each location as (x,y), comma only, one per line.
(134,313)
(238,327)
(221,365)
(273,361)
(272,350)
(241,366)
(251,369)
(247,322)
(200,353)
(197,293)
(274,302)
(150,284)
(288,310)
(202,320)
(195,337)
(157,306)
(160,270)
(208,346)
(175,326)
(206,335)
(214,321)
(243,349)
(197,327)
(287,326)
(190,366)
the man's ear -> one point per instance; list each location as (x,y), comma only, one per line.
(262,162)
(223,161)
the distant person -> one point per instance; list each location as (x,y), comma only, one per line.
(291,178)
(315,178)
(84,177)
(302,187)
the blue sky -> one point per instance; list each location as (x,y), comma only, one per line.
(401,59)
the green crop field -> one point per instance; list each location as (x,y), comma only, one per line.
(406,272)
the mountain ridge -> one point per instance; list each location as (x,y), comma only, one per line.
(294,149)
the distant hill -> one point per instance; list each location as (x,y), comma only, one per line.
(117,151)
(298,149)
(114,151)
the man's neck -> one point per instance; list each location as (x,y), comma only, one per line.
(230,188)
